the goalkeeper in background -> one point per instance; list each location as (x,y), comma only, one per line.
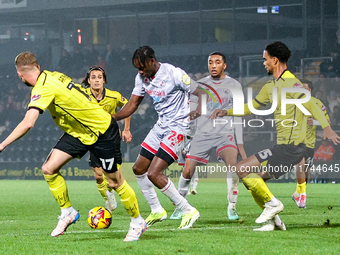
(87,128)
(109,100)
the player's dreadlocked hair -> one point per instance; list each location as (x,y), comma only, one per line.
(142,54)
(85,81)
(279,50)
(25,61)
(219,54)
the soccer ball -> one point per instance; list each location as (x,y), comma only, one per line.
(99,217)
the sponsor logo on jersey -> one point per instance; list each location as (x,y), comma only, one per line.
(186,79)
(35,97)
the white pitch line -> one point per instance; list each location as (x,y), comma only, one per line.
(164,229)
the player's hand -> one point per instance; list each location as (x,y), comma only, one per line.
(310,121)
(127,136)
(328,133)
(218,113)
(113,116)
(194,114)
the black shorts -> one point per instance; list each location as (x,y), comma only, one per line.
(281,158)
(105,152)
(309,155)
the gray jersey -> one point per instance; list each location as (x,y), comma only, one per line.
(219,97)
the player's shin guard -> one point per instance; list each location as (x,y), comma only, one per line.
(171,192)
(149,193)
(232,185)
(257,199)
(301,188)
(58,187)
(183,186)
(257,185)
(128,199)
(103,187)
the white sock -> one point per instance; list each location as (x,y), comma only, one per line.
(149,193)
(232,186)
(273,202)
(183,186)
(194,180)
(172,193)
(66,211)
(137,221)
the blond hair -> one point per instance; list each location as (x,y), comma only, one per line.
(26,61)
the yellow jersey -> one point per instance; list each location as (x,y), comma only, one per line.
(72,109)
(311,130)
(111,100)
(291,128)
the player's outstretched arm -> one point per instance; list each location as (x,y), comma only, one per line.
(126,134)
(129,108)
(22,128)
(328,133)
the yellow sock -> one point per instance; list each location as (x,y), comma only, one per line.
(129,199)
(257,185)
(257,199)
(301,188)
(102,188)
(58,187)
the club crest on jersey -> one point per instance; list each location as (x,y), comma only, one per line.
(297,85)
(35,97)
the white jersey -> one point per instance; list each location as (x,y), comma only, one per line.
(219,97)
(169,89)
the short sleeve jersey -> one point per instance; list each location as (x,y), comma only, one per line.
(169,89)
(72,109)
(111,100)
(311,130)
(219,97)
(291,128)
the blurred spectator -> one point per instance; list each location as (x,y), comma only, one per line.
(336,117)
(325,152)
(333,99)
(65,62)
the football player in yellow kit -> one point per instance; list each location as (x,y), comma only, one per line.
(302,170)
(291,134)
(87,127)
(109,100)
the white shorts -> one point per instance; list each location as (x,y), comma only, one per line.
(202,144)
(170,139)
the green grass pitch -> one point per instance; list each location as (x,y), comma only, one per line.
(28,214)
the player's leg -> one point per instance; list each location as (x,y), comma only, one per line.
(229,156)
(140,170)
(156,175)
(254,182)
(103,185)
(129,200)
(57,185)
(194,182)
(107,149)
(184,184)
(150,146)
(301,185)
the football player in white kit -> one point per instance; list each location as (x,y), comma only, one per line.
(168,86)
(219,135)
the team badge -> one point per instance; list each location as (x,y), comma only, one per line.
(35,97)
(297,85)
